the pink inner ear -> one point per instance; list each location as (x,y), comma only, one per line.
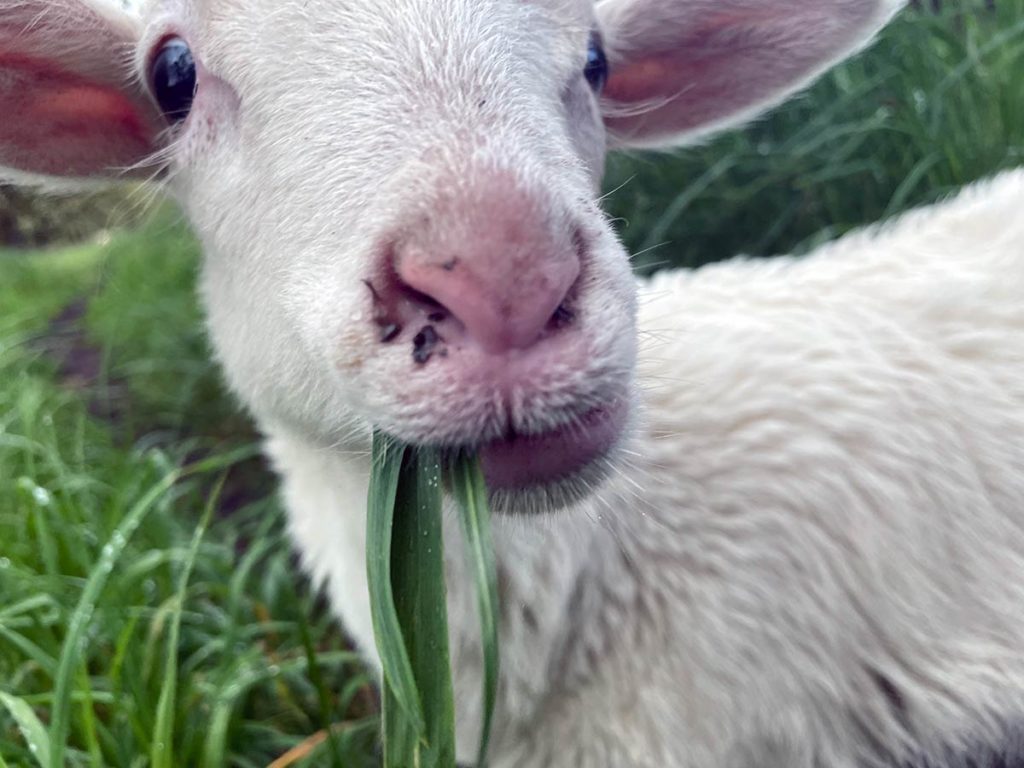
(646,79)
(669,93)
(690,61)
(59,123)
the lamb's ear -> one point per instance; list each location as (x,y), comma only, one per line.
(682,68)
(71,109)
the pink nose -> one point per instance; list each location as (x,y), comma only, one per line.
(496,257)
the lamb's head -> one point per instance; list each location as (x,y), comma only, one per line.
(399,199)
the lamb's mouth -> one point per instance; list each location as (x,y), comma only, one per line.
(523,462)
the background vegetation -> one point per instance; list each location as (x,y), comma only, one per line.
(150,607)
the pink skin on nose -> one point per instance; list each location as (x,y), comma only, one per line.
(494,256)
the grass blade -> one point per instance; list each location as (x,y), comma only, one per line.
(397,668)
(467,485)
(30,726)
(162,747)
(323,695)
(74,641)
(418,581)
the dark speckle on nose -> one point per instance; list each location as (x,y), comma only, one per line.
(424,344)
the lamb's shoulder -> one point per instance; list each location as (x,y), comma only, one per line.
(832,452)
(958,258)
(912,328)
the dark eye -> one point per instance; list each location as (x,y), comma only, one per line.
(172,75)
(596,70)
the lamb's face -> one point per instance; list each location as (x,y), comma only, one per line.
(398,197)
(399,207)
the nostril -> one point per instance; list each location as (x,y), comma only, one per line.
(420,298)
(389,332)
(562,318)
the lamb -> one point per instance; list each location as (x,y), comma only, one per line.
(762,515)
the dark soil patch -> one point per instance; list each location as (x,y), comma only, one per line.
(80,363)
(80,367)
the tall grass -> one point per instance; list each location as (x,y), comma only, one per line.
(151,611)
(935,104)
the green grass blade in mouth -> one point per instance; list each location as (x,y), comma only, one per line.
(405,566)
(418,580)
(398,682)
(406,571)
(467,485)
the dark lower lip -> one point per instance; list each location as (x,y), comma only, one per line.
(526,461)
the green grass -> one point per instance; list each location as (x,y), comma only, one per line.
(151,610)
